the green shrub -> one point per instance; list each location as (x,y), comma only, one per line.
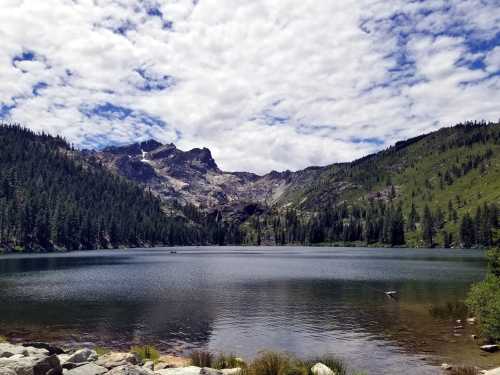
(202,358)
(223,361)
(3,338)
(271,363)
(146,352)
(484,302)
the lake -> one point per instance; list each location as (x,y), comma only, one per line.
(303,300)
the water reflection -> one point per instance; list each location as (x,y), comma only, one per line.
(305,301)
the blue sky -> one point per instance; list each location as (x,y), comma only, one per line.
(276,84)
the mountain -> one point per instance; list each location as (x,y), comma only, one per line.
(453,173)
(438,189)
(52,198)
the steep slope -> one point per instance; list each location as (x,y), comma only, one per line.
(451,171)
(192,177)
(52,198)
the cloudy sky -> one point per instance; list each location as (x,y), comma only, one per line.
(265,84)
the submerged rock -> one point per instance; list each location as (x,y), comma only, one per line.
(321,369)
(88,369)
(490,348)
(114,359)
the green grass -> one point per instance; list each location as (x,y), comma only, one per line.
(223,361)
(146,352)
(3,339)
(202,358)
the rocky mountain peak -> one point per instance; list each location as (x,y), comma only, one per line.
(135,148)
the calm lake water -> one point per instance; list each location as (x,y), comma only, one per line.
(301,300)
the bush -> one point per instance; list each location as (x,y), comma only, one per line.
(484,302)
(146,352)
(3,338)
(202,358)
(223,361)
(271,363)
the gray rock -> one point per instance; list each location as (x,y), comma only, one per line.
(63,358)
(129,370)
(21,366)
(210,371)
(114,359)
(47,366)
(7,371)
(490,348)
(43,345)
(71,365)
(148,365)
(321,369)
(231,371)
(190,370)
(8,350)
(82,355)
(88,369)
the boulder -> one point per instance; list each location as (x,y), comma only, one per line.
(210,371)
(190,370)
(495,371)
(88,369)
(231,371)
(148,365)
(129,369)
(321,369)
(47,366)
(43,345)
(63,358)
(115,359)
(82,355)
(8,350)
(7,371)
(446,366)
(490,348)
(21,366)
(169,361)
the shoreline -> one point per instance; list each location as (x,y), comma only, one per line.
(43,358)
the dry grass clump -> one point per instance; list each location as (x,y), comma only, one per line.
(465,370)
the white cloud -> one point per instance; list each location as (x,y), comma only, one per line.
(264,84)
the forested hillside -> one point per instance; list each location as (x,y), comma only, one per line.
(51,198)
(439,189)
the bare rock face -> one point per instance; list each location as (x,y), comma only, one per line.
(193,177)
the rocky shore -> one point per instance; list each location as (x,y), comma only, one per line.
(38,358)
